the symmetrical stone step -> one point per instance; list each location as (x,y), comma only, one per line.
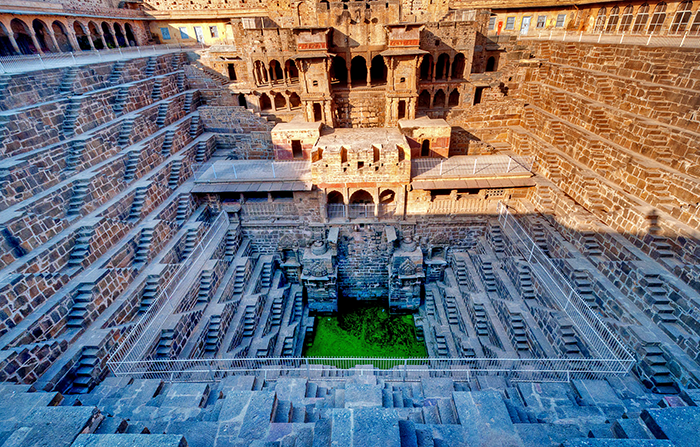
(84,378)
(266,275)
(75,203)
(79,310)
(540,237)
(165,344)
(125,133)
(584,287)
(181,82)
(116,76)
(74,154)
(205,287)
(143,248)
(567,336)
(167,143)
(81,247)
(451,309)
(213,334)
(441,345)
(461,272)
(70,116)
(497,239)
(661,247)
(276,311)
(194,127)
(190,242)
(527,289)
(149,293)
(187,105)
(591,246)
(66,86)
(151,66)
(120,100)
(156,92)
(429,303)
(298,306)
(183,207)
(488,276)
(249,321)
(288,347)
(131,164)
(519,333)
(655,366)
(140,194)
(201,154)
(174,178)
(481,324)
(162,114)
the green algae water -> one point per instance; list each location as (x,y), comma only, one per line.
(366,332)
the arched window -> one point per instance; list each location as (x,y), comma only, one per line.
(423,100)
(439,99)
(59,31)
(642,18)
(626,20)
(387,196)
(682,17)
(361,196)
(121,40)
(96,38)
(340,70)
(294,101)
(378,70)
(426,68)
(292,72)
(6,48)
(130,38)
(335,197)
(42,36)
(265,103)
(458,67)
(107,32)
(695,27)
(280,101)
(612,20)
(276,71)
(491,64)
(358,71)
(600,21)
(443,63)
(454,98)
(260,72)
(658,18)
(81,36)
(23,37)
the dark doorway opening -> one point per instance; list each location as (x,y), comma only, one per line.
(425,148)
(296,149)
(232,72)
(478,93)
(318,115)
(402,109)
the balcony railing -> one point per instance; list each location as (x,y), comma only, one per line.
(360,210)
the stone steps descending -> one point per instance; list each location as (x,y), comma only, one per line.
(190,242)
(213,334)
(205,287)
(195,128)
(143,247)
(124,138)
(451,309)
(81,247)
(168,143)
(79,309)
(183,208)
(75,203)
(117,71)
(130,165)
(481,320)
(489,278)
(249,321)
(137,204)
(201,154)
(654,365)
(527,289)
(584,287)
(74,155)
(266,275)
(288,347)
(187,105)
(162,115)
(150,291)
(497,243)
(276,311)
(174,178)
(165,343)
(120,100)
(156,92)
(151,66)
(69,78)
(84,380)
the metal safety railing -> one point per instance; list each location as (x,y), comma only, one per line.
(685,39)
(138,339)
(471,166)
(34,62)
(597,334)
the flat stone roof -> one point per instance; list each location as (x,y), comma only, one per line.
(297,125)
(464,167)
(255,175)
(423,122)
(361,138)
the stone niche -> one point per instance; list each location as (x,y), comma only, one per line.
(428,137)
(319,276)
(406,276)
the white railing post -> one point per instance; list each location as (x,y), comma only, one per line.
(683,39)
(42,61)
(649,39)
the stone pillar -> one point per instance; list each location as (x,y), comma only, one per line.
(447,70)
(369,71)
(11,35)
(54,41)
(35,41)
(346,200)
(324,206)
(73,39)
(432,75)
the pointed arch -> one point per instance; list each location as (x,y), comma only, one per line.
(358,71)
(612,20)
(426,68)
(626,20)
(59,31)
(130,37)
(42,36)
(23,37)
(681,18)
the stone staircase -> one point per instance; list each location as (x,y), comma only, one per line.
(527,289)
(249,321)
(266,274)
(116,76)
(156,92)
(167,143)
(298,310)
(569,341)
(552,162)
(656,296)
(213,335)
(124,138)
(137,204)
(488,276)
(143,247)
(162,114)
(451,310)
(74,155)
(174,177)
(497,239)
(240,279)
(69,78)
(481,320)
(195,128)
(201,154)
(75,204)
(84,374)
(654,367)
(149,293)
(131,164)
(190,242)
(120,100)
(183,206)
(165,344)
(276,311)
(591,247)
(205,287)
(70,116)
(441,347)
(288,347)
(539,236)
(187,105)
(81,247)
(151,65)
(79,309)
(584,288)
(461,272)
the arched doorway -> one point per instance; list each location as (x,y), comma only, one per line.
(358,71)
(340,71)
(292,71)
(42,36)
(426,68)
(423,100)
(402,109)
(458,66)
(454,98)
(81,36)
(439,99)
(387,206)
(96,38)
(61,36)
(107,32)
(265,103)
(260,72)
(280,101)
(276,71)
(6,48)
(130,37)
(491,64)
(336,205)
(294,101)
(362,197)
(119,35)
(377,71)
(361,204)
(23,37)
